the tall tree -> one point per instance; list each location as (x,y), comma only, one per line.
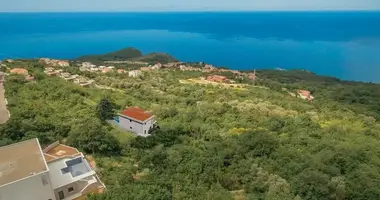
(105,109)
(92,137)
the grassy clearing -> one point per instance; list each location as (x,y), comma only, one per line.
(205,82)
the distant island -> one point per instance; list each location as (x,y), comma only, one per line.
(129,53)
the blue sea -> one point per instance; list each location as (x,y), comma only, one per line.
(341,44)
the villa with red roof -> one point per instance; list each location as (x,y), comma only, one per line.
(137,120)
(304,94)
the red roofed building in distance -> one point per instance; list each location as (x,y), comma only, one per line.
(304,94)
(121,71)
(107,69)
(136,120)
(218,79)
(252,76)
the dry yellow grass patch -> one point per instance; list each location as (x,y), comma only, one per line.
(139,175)
(206,82)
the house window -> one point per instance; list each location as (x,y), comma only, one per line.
(71,189)
(130,120)
(130,127)
(144,131)
(61,195)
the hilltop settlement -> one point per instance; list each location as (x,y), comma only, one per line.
(124,125)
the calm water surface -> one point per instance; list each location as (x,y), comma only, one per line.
(342,44)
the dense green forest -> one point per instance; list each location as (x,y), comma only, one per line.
(256,143)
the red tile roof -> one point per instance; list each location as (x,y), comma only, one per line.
(21,71)
(252,76)
(105,70)
(304,92)
(217,78)
(137,113)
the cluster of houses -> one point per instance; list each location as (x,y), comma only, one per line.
(80,80)
(173,65)
(87,66)
(23,72)
(54,62)
(224,79)
(56,172)
(206,68)
(126,62)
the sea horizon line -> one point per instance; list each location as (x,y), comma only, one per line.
(202,11)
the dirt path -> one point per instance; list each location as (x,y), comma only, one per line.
(4,113)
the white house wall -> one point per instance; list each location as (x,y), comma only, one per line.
(31,188)
(58,178)
(140,128)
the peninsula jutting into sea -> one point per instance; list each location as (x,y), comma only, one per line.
(343,44)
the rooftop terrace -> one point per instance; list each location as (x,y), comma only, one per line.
(56,150)
(21,160)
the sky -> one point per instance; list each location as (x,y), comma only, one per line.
(183,5)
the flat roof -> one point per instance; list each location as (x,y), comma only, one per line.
(58,167)
(59,151)
(21,160)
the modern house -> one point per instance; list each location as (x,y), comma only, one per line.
(157,66)
(53,62)
(68,77)
(137,120)
(50,71)
(83,82)
(304,94)
(24,172)
(58,172)
(71,175)
(134,73)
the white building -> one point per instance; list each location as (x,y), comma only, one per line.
(136,120)
(134,73)
(157,66)
(24,174)
(63,63)
(59,172)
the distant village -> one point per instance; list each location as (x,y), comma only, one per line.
(55,67)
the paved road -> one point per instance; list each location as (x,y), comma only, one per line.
(4,114)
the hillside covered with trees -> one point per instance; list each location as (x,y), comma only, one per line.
(130,53)
(215,143)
